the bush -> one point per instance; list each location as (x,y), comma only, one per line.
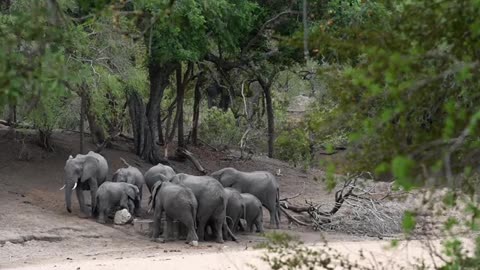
(219,129)
(47,116)
(294,146)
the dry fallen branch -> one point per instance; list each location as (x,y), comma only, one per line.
(293,219)
(296,195)
(182,152)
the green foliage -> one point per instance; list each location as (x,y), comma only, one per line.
(409,96)
(284,252)
(50,112)
(219,128)
(294,146)
(32,58)
(189,28)
(408,222)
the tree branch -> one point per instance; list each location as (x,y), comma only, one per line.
(264,27)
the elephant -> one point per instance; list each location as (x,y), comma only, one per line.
(261,184)
(132,176)
(84,172)
(235,208)
(212,203)
(179,203)
(156,173)
(253,214)
(114,196)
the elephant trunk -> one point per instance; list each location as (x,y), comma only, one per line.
(68,197)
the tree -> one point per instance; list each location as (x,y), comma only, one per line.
(407,100)
(182,35)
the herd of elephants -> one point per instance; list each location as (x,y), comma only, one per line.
(203,207)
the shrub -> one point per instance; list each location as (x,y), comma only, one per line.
(218,128)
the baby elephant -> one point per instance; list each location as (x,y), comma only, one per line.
(253,212)
(132,176)
(179,203)
(235,209)
(112,197)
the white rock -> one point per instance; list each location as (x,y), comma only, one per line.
(122,217)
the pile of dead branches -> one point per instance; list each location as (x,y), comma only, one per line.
(361,206)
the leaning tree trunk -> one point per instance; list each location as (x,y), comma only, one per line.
(82,122)
(145,120)
(266,86)
(138,120)
(97,132)
(180,99)
(196,108)
(12,115)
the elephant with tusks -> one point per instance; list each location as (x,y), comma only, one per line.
(84,172)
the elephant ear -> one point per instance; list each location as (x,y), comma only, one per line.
(132,192)
(90,166)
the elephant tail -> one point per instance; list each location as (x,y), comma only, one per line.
(277,201)
(151,202)
(229,232)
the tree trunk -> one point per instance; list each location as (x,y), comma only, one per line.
(196,108)
(82,121)
(180,98)
(97,132)
(266,86)
(12,115)
(145,120)
(138,120)
(161,139)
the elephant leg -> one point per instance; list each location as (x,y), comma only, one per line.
(131,207)
(182,231)
(102,213)
(235,224)
(157,222)
(250,227)
(81,201)
(272,209)
(218,228)
(168,234)
(138,204)
(259,225)
(93,192)
(202,222)
(192,237)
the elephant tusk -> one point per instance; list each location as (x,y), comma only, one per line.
(74,186)
(62,187)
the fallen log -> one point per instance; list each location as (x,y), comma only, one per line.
(182,152)
(293,219)
(297,209)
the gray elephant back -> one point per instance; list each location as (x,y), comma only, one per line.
(200,185)
(157,173)
(103,166)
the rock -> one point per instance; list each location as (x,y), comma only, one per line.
(122,217)
(243,223)
(194,243)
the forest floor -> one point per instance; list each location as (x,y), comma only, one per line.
(37,232)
